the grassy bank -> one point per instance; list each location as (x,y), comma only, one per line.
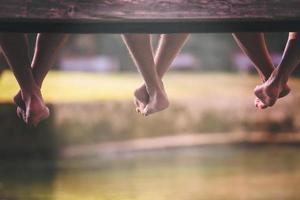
(91,108)
(82,87)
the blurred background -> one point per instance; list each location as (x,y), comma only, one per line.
(212,143)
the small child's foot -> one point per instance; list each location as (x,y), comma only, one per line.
(270,91)
(141,98)
(267,94)
(35,109)
(158,101)
(284,91)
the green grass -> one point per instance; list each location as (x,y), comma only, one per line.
(76,86)
(200,103)
(79,86)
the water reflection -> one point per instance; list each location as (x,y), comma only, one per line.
(27,158)
(30,180)
(216,172)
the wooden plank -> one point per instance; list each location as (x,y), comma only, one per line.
(153,16)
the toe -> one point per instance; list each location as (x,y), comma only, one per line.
(261,105)
(146,111)
(138,110)
(19,102)
(256,102)
(20,113)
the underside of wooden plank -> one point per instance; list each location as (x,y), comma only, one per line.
(152,16)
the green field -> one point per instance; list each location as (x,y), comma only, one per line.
(79,86)
(86,106)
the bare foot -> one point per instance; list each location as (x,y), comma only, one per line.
(141,98)
(35,109)
(285,91)
(158,101)
(271,90)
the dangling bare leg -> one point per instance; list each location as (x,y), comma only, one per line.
(270,91)
(47,49)
(140,49)
(254,46)
(168,48)
(16,53)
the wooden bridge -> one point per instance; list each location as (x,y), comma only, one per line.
(151,16)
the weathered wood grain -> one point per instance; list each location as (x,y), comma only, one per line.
(149,15)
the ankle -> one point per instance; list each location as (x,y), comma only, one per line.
(37,80)
(279,77)
(33,91)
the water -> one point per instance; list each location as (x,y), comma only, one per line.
(216,172)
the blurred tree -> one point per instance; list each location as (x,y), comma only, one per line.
(214,50)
